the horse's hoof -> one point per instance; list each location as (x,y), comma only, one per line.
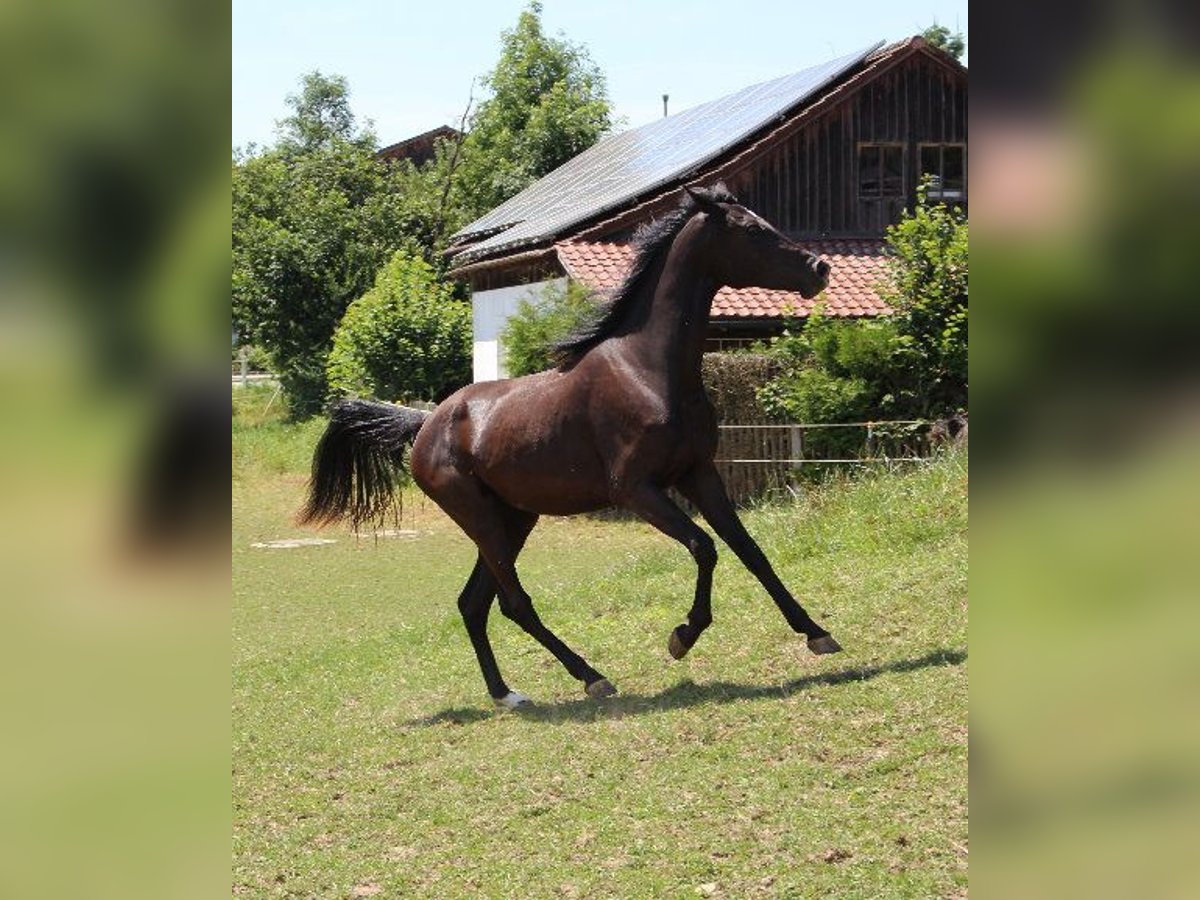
(598,690)
(675,645)
(824,644)
(512,700)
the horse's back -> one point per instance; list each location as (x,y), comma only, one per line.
(567,440)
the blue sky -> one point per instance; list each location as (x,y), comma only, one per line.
(410,65)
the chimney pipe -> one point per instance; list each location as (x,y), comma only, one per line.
(665,96)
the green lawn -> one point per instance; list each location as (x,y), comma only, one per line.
(368,760)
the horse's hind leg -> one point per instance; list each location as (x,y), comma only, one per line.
(517,605)
(475,602)
(499,531)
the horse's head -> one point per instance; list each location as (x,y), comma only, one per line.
(748,251)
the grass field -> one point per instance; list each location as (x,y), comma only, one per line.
(368,760)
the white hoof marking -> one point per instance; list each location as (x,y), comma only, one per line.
(512,700)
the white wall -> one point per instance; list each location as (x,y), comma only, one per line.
(490,311)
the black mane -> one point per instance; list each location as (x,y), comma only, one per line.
(651,241)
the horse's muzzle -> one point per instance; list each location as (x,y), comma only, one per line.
(822,269)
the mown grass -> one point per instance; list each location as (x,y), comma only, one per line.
(368,760)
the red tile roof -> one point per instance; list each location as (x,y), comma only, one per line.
(857,267)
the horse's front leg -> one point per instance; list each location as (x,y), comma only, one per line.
(653,505)
(704,487)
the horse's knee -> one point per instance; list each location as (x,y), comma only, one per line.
(473,603)
(466,602)
(518,609)
(704,551)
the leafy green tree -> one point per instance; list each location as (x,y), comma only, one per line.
(407,338)
(548,103)
(941,37)
(928,290)
(320,115)
(317,215)
(531,332)
(314,218)
(433,203)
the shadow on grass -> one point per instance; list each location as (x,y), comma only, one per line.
(688,693)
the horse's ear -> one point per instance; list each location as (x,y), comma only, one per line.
(703,198)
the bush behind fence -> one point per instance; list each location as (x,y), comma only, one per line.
(758,452)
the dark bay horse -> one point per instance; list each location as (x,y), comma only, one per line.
(623,418)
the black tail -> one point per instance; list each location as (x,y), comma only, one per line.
(359,462)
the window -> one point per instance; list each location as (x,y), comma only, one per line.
(880,171)
(947,166)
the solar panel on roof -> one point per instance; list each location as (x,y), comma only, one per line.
(625,165)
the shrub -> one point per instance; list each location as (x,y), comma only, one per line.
(928,290)
(530,334)
(732,381)
(833,371)
(257,359)
(407,338)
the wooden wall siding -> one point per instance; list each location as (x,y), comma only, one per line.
(745,481)
(809,184)
(506,276)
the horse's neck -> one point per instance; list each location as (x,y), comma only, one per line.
(671,340)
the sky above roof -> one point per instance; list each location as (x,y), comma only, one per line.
(410,65)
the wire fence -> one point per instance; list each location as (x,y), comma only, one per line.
(245,373)
(877,436)
(242,379)
(755,459)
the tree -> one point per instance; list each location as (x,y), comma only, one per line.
(549,103)
(309,232)
(940,36)
(407,338)
(314,219)
(532,331)
(317,215)
(320,115)
(433,208)
(928,290)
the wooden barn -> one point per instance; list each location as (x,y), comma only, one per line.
(831,155)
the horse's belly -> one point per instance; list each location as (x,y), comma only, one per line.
(560,503)
(549,486)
